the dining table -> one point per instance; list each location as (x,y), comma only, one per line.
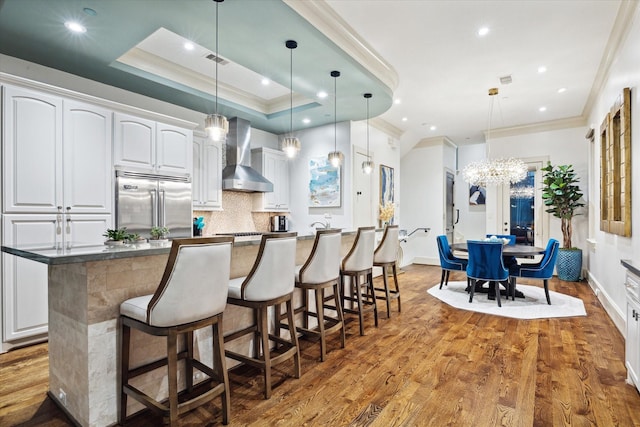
(517,250)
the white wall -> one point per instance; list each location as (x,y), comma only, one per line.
(472,223)
(605,271)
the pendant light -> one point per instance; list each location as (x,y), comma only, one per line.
(291,144)
(217,125)
(367,165)
(335,157)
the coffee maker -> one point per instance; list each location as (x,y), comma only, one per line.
(279,223)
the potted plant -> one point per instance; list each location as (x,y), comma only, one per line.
(561,193)
(116,236)
(159,233)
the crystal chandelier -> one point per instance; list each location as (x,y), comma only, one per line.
(494,171)
(291,144)
(217,125)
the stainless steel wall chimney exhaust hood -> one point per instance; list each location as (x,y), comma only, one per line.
(239,175)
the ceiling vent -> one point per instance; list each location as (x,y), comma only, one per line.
(505,80)
(219,60)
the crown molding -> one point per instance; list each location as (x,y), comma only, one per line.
(619,33)
(319,14)
(435,141)
(386,127)
(571,122)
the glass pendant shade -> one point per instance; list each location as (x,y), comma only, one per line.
(367,167)
(217,127)
(291,146)
(335,157)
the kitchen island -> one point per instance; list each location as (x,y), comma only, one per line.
(85,290)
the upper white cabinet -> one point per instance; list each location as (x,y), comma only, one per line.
(57,154)
(150,146)
(31,151)
(207,174)
(273,165)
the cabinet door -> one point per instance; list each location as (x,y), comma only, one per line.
(25,282)
(276,170)
(207,174)
(632,343)
(197,178)
(87,158)
(85,230)
(134,142)
(32,151)
(174,153)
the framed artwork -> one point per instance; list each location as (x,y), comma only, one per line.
(324,183)
(477,195)
(386,184)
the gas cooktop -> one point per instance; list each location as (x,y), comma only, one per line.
(243,233)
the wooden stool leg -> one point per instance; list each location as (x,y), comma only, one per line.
(373,297)
(220,368)
(125,340)
(395,281)
(386,290)
(172,377)
(294,339)
(340,316)
(305,303)
(356,287)
(319,293)
(188,364)
(264,334)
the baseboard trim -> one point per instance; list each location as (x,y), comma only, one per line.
(617,317)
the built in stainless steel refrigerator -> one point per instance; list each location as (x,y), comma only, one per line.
(144,201)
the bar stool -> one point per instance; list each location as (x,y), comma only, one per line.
(357,266)
(385,256)
(320,271)
(269,283)
(192,295)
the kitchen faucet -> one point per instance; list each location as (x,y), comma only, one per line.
(326,224)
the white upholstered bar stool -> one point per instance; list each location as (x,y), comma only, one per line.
(321,271)
(357,266)
(192,295)
(385,256)
(270,283)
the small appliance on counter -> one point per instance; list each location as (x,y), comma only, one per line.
(279,223)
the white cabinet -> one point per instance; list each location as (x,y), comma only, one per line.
(632,341)
(149,146)
(57,154)
(273,165)
(25,311)
(207,174)
(32,151)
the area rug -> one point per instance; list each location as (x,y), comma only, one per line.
(532,306)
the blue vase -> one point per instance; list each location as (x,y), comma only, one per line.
(569,264)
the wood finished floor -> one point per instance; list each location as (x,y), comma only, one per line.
(431,365)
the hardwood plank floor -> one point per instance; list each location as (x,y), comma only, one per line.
(431,365)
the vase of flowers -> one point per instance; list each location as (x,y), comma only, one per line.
(387,211)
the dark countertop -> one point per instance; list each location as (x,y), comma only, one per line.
(69,255)
(631,266)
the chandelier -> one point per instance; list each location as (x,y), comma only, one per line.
(216,125)
(522,192)
(494,171)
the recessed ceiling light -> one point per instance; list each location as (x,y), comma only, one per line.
(89,11)
(306,121)
(189,46)
(433,128)
(397,101)
(322,94)
(404,119)
(483,31)
(75,27)
(265,81)
(562,90)
(541,109)
(542,69)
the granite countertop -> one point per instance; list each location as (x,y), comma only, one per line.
(83,253)
(632,266)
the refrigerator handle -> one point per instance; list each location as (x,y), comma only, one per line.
(154,208)
(163,216)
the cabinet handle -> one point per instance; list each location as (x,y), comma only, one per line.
(59,208)
(68,208)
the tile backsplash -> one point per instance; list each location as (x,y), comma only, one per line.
(236,216)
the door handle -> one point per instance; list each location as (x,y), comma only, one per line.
(163,216)
(154,208)
(457,216)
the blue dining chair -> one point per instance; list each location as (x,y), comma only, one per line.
(448,262)
(485,263)
(542,270)
(508,260)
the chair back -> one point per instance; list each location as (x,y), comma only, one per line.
(323,263)
(387,250)
(195,282)
(485,261)
(447,260)
(544,269)
(360,257)
(273,273)
(511,237)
